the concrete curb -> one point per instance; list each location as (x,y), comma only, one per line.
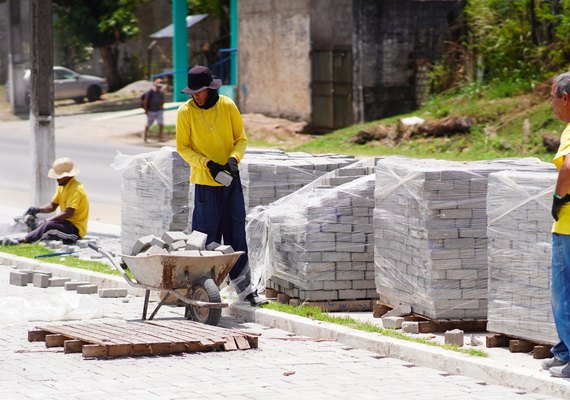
(484,369)
(100,279)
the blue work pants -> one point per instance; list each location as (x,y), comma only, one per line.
(219,212)
(560,294)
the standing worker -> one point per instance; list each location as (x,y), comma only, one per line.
(560,275)
(211,138)
(154,109)
(70,224)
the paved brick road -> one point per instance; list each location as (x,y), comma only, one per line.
(279,369)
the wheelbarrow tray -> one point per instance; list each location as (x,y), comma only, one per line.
(178,271)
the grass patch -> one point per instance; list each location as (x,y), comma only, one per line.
(33,250)
(315,313)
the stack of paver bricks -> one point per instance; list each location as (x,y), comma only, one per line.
(430,226)
(519,229)
(316,244)
(179,243)
(154,195)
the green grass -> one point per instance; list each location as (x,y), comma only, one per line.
(315,313)
(33,250)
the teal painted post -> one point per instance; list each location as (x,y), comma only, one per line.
(180,48)
(234,39)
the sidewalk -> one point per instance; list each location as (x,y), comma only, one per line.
(515,370)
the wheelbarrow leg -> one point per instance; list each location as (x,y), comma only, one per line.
(158,307)
(145,306)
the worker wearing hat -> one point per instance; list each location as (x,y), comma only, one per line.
(211,138)
(70,223)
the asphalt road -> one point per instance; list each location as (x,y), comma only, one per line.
(92,141)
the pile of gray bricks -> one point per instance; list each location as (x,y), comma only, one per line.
(316,244)
(154,194)
(178,243)
(519,229)
(430,226)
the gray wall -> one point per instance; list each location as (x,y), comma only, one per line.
(274,68)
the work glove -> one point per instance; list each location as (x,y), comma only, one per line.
(215,168)
(557,205)
(232,167)
(32,211)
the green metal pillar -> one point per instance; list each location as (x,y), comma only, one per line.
(234,39)
(180,48)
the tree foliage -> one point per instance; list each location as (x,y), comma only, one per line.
(512,40)
(101,24)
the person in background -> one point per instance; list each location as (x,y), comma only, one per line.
(154,109)
(211,138)
(68,225)
(560,275)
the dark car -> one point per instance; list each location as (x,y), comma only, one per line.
(68,84)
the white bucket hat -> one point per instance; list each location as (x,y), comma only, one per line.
(61,168)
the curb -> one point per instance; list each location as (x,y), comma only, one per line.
(98,278)
(425,356)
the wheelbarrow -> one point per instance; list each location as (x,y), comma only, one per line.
(200,275)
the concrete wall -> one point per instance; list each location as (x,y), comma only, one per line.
(274,67)
(4,41)
(393,37)
(331,24)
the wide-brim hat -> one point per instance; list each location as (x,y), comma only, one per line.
(200,78)
(61,168)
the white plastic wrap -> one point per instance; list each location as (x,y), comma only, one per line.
(154,194)
(316,243)
(430,226)
(519,229)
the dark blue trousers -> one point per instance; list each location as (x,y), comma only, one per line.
(219,212)
(57,230)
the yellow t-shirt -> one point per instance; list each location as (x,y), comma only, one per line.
(73,195)
(214,134)
(562,226)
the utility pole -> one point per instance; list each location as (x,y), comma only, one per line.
(41,101)
(180,48)
(18,35)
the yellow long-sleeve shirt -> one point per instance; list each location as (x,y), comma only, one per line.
(214,134)
(562,226)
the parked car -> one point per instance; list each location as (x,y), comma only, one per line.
(68,84)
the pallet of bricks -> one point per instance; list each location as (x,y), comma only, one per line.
(315,245)
(519,230)
(154,194)
(430,226)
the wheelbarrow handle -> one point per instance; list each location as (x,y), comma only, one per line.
(105,253)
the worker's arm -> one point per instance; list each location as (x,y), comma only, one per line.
(62,216)
(47,208)
(563,181)
(238,131)
(184,142)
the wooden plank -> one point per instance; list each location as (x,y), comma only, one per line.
(253,341)
(73,346)
(37,335)
(230,344)
(191,327)
(242,343)
(379,309)
(81,333)
(540,352)
(94,350)
(135,334)
(55,340)
(520,346)
(467,325)
(497,340)
(176,335)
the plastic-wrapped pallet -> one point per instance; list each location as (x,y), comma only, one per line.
(316,243)
(430,226)
(519,229)
(154,195)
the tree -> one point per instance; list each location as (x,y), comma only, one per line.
(100,24)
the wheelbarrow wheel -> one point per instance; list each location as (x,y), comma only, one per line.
(205,290)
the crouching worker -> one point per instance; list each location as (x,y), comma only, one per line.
(70,223)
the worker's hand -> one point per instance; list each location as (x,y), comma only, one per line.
(215,168)
(32,211)
(232,166)
(557,204)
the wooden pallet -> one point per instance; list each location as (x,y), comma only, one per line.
(430,325)
(518,345)
(139,338)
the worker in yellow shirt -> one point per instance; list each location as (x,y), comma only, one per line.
(211,138)
(70,223)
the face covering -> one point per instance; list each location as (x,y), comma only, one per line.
(211,101)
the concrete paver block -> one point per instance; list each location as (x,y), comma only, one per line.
(411,327)
(399,311)
(454,337)
(73,285)
(392,322)
(18,278)
(112,292)
(196,240)
(225,249)
(212,246)
(87,289)
(173,236)
(142,244)
(41,280)
(58,282)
